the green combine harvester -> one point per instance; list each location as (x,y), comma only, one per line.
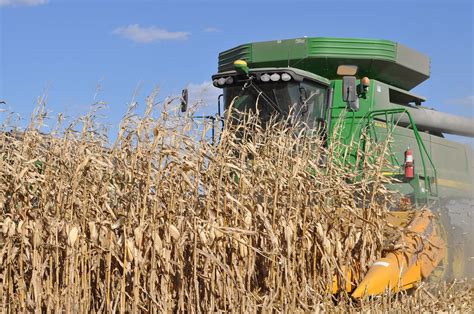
(365,84)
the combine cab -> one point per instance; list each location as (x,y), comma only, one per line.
(365,84)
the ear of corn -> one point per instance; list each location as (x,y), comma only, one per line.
(164,220)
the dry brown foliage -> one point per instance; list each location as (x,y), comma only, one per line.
(164,220)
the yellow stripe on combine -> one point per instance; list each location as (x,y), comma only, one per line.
(381,124)
(389,174)
(460,185)
(454,184)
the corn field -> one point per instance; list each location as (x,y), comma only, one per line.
(159,218)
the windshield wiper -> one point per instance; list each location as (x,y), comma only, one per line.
(265,97)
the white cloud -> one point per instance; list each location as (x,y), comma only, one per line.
(22,2)
(203,94)
(212,30)
(148,34)
(467,101)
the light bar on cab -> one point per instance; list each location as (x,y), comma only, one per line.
(263,77)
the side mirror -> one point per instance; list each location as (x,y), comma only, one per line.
(184,100)
(349,92)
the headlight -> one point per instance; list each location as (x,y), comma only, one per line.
(221,81)
(285,77)
(275,77)
(265,77)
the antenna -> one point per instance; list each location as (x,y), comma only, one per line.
(288,58)
(305,37)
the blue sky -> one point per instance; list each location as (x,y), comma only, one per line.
(68,47)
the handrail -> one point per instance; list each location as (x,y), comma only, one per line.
(369,117)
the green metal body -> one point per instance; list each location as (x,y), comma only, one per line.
(443,168)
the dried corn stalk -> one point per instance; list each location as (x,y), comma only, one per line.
(163,220)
